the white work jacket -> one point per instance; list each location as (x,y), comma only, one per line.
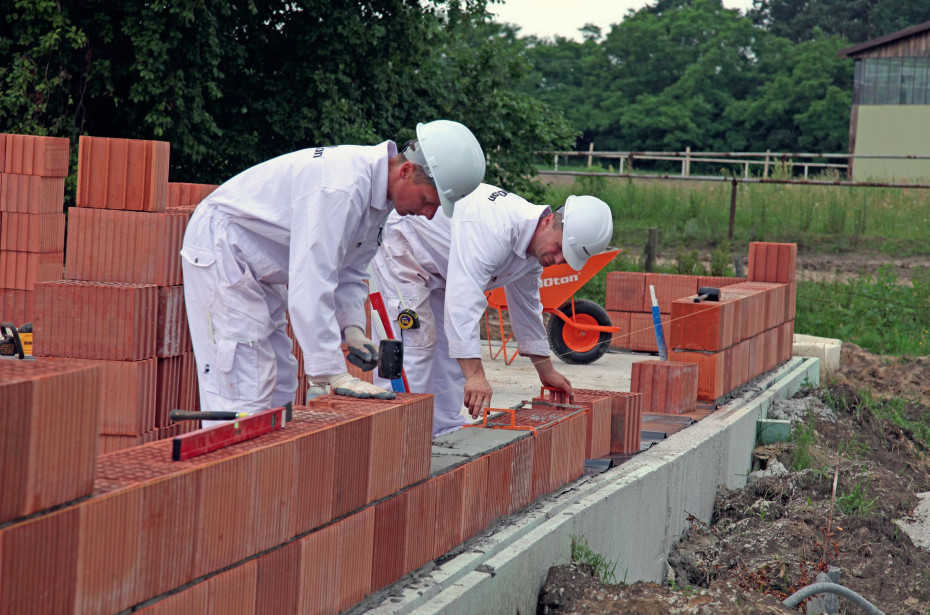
(314,217)
(482,247)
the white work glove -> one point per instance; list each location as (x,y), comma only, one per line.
(362,351)
(344,384)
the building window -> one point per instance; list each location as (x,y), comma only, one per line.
(892,81)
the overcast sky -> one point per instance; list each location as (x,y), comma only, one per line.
(547,18)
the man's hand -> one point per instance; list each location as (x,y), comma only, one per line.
(362,351)
(477,388)
(344,384)
(551,378)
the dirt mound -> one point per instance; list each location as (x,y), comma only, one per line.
(857,470)
(887,376)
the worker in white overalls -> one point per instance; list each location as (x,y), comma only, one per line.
(440,269)
(297,233)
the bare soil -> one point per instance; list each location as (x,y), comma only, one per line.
(772,537)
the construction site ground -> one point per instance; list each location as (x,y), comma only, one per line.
(771,537)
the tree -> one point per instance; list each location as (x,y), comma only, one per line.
(230,84)
(856,20)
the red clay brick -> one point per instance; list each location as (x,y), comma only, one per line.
(278,583)
(625,291)
(32,232)
(109,321)
(275,515)
(34,155)
(23,270)
(353,558)
(500,481)
(390,538)
(597,436)
(421,514)
(31,194)
(318,571)
(450,495)
(38,572)
(707,325)
(233,592)
(48,439)
(668,287)
(621,339)
(17,306)
(475,515)
(109,550)
(188,195)
(642,332)
(711,372)
(124,174)
(125,246)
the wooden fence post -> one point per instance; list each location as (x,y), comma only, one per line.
(590,149)
(651,248)
(732,207)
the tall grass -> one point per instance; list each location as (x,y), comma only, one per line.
(874,312)
(893,221)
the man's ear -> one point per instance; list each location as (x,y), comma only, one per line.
(406,170)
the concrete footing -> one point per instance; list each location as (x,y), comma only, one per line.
(824,348)
(630,515)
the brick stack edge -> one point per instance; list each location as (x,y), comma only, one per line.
(32,235)
(340,504)
(629,303)
(748,332)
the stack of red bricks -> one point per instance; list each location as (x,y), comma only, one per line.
(32,219)
(629,303)
(121,304)
(310,518)
(748,332)
(614,419)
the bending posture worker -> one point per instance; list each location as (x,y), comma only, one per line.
(297,233)
(440,268)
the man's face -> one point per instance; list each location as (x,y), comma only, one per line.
(546,245)
(413,198)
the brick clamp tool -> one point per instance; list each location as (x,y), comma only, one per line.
(707,293)
(239,426)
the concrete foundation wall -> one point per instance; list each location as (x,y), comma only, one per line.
(631,515)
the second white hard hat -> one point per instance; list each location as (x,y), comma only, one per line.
(452,158)
(587,227)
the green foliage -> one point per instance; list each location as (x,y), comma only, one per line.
(604,571)
(803,436)
(856,501)
(230,84)
(720,260)
(874,312)
(857,20)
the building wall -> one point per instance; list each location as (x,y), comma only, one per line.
(893,130)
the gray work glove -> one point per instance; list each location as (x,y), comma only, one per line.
(362,351)
(344,384)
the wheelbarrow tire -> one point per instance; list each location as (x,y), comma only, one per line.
(569,344)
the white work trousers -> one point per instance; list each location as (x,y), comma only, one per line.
(427,363)
(238,325)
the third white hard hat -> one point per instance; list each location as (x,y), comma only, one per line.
(451,156)
(587,227)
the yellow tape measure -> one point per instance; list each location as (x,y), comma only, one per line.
(408,319)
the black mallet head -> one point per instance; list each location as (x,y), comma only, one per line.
(707,293)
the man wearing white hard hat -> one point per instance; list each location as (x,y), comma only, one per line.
(296,233)
(440,268)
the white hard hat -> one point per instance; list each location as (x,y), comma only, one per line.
(452,158)
(587,227)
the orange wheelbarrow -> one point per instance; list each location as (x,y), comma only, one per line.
(579,330)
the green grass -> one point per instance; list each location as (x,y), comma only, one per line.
(874,312)
(891,221)
(803,436)
(855,501)
(604,570)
